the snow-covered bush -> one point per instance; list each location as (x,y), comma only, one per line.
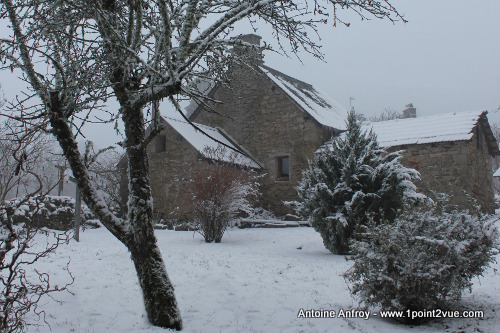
(23,286)
(423,261)
(349,180)
(53,212)
(221,191)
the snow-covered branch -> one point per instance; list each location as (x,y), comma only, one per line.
(62,131)
(137,53)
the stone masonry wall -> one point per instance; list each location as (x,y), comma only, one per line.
(170,172)
(482,184)
(456,168)
(268,124)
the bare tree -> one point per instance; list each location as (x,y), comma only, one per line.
(495,128)
(20,290)
(388,114)
(106,178)
(139,52)
(22,286)
(31,152)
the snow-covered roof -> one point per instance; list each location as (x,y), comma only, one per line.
(326,111)
(457,126)
(201,87)
(200,141)
(497,173)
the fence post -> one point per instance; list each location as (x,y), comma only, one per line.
(78,204)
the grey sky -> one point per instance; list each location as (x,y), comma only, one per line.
(445,59)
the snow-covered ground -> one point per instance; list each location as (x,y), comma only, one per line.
(256,280)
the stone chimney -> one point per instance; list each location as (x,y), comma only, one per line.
(253,53)
(410,111)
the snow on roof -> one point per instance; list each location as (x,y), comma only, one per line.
(200,141)
(456,126)
(326,111)
(497,173)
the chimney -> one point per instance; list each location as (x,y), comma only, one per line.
(410,111)
(255,53)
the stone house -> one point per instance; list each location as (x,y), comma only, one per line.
(277,120)
(453,153)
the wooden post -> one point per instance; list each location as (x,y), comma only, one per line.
(61,179)
(78,204)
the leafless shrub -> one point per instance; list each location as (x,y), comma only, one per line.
(22,285)
(31,152)
(221,191)
(495,128)
(388,114)
(107,179)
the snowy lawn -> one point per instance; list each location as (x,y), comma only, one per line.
(256,280)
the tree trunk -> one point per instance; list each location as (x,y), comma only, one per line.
(158,291)
(138,233)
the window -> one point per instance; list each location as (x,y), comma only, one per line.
(160,144)
(283,168)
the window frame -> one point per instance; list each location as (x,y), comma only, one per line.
(279,168)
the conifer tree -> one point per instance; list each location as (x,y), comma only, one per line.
(350,180)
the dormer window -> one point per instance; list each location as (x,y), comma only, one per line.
(283,172)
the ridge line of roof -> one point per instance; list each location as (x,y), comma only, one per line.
(288,93)
(453,126)
(286,75)
(478,112)
(303,96)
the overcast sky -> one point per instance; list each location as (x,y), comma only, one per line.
(445,59)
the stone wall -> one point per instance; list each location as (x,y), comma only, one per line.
(170,175)
(458,168)
(268,124)
(53,212)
